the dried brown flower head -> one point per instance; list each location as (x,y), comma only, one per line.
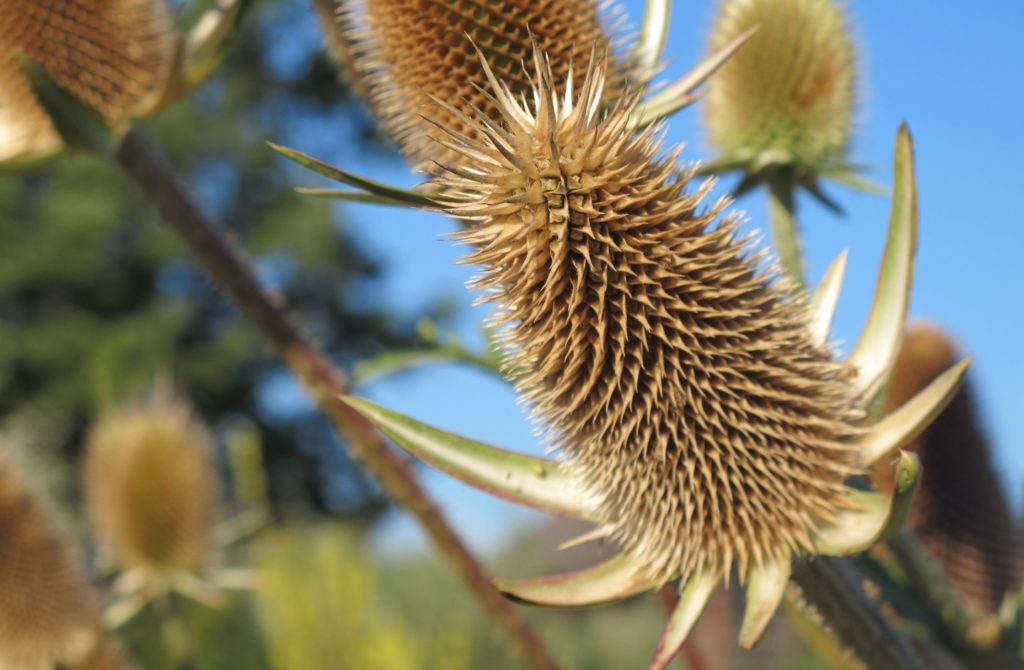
(699,416)
(788,95)
(408,52)
(961,514)
(47,613)
(679,378)
(151,486)
(115,55)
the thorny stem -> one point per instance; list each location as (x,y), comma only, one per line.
(146,166)
(833,588)
(785,230)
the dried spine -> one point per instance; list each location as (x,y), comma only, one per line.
(409,52)
(115,55)
(678,378)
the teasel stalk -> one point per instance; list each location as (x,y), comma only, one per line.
(122,58)
(146,166)
(781,111)
(961,517)
(406,57)
(700,417)
(48,612)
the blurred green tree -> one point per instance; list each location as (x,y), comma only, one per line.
(95,302)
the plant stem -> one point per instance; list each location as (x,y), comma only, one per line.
(175,635)
(785,230)
(833,588)
(146,166)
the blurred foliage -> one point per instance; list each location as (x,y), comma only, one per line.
(321,607)
(96,300)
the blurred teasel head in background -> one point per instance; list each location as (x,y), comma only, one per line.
(151,486)
(961,514)
(48,613)
(116,56)
(407,55)
(788,97)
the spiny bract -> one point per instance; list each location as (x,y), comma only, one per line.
(410,52)
(115,55)
(151,486)
(47,614)
(789,92)
(961,514)
(677,374)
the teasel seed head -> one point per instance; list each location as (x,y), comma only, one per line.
(47,611)
(114,55)
(961,514)
(676,374)
(151,486)
(699,415)
(406,53)
(788,96)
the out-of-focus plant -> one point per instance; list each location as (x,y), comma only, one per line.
(81,125)
(320,605)
(151,490)
(48,612)
(123,58)
(782,110)
(965,565)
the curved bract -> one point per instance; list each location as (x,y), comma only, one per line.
(692,394)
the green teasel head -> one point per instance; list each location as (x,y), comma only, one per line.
(788,98)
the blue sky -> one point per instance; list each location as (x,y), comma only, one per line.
(953,71)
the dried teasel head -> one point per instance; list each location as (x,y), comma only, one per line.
(961,514)
(114,55)
(406,53)
(151,487)
(47,612)
(788,96)
(700,417)
(643,328)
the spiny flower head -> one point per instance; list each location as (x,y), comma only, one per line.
(47,612)
(679,378)
(788,95)
(961,514)
(699,416)
(114,55)
(151,486)
(409,52)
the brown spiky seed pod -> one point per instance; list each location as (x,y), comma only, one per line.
(411,51)
(791,88)
(676,374)
(115,55)
(961,514)
(47,614)
(151,485)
